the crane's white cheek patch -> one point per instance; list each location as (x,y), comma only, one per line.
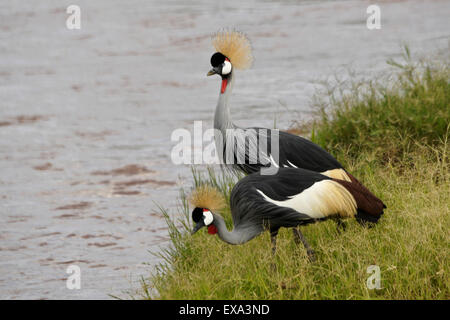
(207,217)
(207,220)
(226,69)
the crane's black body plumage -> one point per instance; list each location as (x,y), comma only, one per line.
(251,211)
(294,152)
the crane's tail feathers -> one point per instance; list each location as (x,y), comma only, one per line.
(365,219)
(370,208)
(366,191)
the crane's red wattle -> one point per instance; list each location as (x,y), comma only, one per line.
(224,85)
(212,229)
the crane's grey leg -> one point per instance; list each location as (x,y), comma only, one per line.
(299,237)
(273,239)
(341,225)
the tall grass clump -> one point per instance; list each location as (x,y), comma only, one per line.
(395,138)
(389,116)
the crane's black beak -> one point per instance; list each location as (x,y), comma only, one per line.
(213,71)
(198,226)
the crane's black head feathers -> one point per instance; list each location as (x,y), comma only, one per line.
(197,214)
(217,59)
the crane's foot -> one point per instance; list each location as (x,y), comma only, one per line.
(311,255)
(273,267)
(341,226)
(299,237)
(273,239)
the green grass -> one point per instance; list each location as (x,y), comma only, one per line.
(395,140)
(388,120)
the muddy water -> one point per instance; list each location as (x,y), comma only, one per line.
(86,116)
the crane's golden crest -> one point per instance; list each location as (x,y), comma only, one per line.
(235,46)
(208,197)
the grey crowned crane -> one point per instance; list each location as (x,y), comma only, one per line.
(288,199)
(234,143)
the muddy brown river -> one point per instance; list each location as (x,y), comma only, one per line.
(86,116)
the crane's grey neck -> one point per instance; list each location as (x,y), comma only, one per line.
(236,236)
(222,117)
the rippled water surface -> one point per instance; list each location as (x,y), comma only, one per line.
(86,116)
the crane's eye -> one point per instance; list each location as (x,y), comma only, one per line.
(207,217)
(226,67)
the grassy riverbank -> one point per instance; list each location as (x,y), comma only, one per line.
(395,139)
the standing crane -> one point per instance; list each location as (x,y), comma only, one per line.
(234,52)
(290,198)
